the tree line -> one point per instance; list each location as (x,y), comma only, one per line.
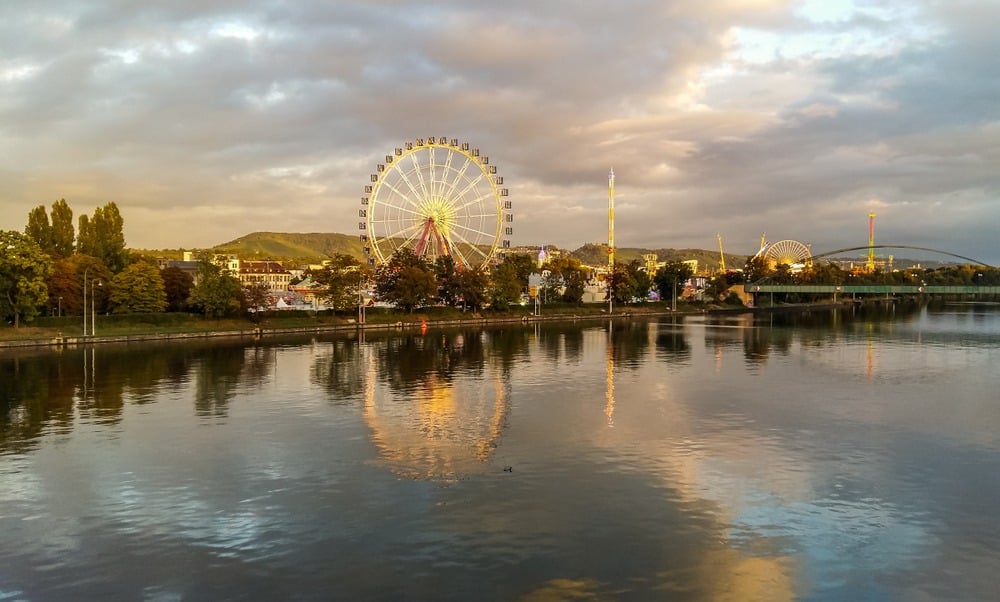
(53,267)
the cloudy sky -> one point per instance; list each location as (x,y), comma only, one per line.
(205,120)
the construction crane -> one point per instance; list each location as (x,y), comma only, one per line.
(722,255)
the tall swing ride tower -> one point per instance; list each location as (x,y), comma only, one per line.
(611,221)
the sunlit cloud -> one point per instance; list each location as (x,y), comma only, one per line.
(729,117)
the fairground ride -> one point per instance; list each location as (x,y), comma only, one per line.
(792,253)
(437,197)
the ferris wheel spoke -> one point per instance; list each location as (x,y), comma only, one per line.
(476,200)
(417,194)
(445,171)
(459,246)
(401,194)
(466,239)
(420,175)
(408,234)
(410,215)
(459,177)
(432,169)
(470,230)
(472,184)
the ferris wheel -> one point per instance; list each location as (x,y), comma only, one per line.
(789,252)
(436,197)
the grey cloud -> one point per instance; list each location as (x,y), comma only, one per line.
(208,136)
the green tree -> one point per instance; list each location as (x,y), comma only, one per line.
(640,280)
(217,293)
(177,284)
(24,269)
(63,235)
(103,237)
(340,278)
(566,280)
(756,268)
(620,284)
(138,289)
(471,288)
(448,279)
(92,272)
(506,286)
(522,265)
(38,229)
(405,280)
(257,300)
(671,274)
(721,283)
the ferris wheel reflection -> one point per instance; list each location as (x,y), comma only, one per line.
(444,422)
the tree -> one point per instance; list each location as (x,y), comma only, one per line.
(177,284)
(566,280)
(405,280)
(102,236)
(256,299)
(756,268)
(38,229)
(24,268)
(639,280)
(63,234)
(471,288)
(217,293)
(340,278)
(620,284)
(138,289)
(56,238)
(721,283)
(448,279)
(522,265)
(92,272)
(674,273)
(65,292)
(506,286)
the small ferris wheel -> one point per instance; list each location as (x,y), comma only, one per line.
(792,253)
(437,197)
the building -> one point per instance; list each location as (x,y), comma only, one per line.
(228,262)
(269,273)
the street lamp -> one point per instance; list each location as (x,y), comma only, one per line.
(93,314)
(85,300)
(60,306)
(361,299)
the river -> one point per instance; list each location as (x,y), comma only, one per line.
(828,455)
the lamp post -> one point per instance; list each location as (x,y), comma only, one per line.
(85,300)
(93,314)
(60,306)
(361,299)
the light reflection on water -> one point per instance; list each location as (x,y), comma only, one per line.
(822,456)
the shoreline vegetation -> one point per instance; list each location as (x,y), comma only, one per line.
(52,331)
(67,331)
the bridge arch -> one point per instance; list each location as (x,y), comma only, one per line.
(915,248)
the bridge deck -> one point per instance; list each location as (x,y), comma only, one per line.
(868,289)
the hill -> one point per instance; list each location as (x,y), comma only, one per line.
(315,246)
(286,245)
(597,254)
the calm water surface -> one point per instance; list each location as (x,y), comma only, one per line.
(826,456)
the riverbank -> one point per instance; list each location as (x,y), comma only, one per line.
(127,329)
(68,332)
